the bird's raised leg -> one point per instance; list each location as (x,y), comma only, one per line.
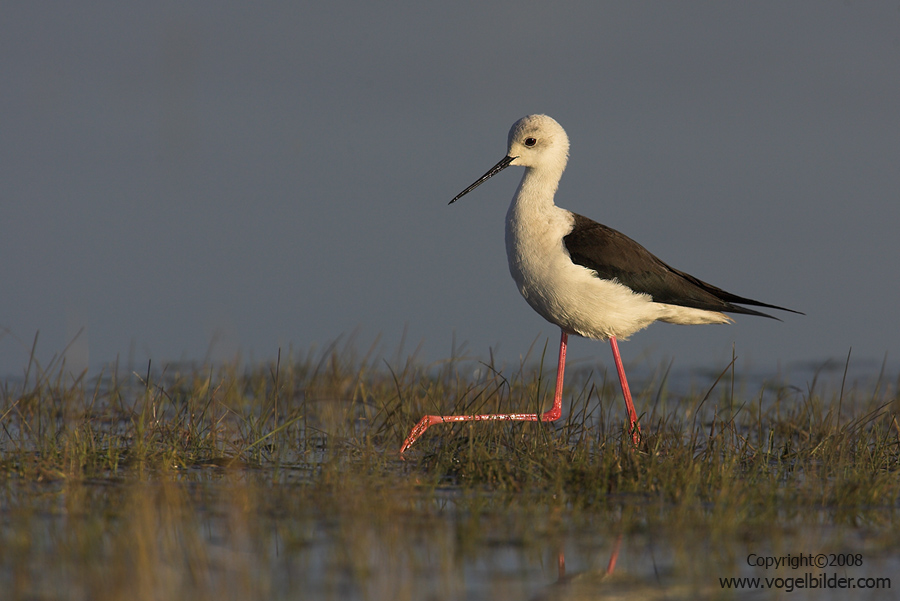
(555,411)
(629,405)
(549,416)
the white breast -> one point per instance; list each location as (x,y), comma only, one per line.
(564,293)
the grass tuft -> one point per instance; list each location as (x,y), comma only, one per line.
(165,484)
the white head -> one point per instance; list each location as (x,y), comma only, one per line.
(538,141)
(535,141)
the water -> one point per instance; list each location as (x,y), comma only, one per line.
(241,534)
(335,520)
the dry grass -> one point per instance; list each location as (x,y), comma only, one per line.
(215,483)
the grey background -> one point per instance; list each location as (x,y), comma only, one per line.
(211,180)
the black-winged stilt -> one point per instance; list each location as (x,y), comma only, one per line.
(586,278)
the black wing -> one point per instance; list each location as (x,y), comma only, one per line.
(614,255)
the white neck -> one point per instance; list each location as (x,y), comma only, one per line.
(537,189)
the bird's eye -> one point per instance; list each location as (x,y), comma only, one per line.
(529,142)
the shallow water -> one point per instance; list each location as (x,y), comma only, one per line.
(246,534)
(329,514)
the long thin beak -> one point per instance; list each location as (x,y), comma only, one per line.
(493,171)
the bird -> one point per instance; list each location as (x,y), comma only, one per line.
(586,278)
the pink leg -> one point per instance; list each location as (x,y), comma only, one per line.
(610,566)
(551,415)
(629,405)
(614,556)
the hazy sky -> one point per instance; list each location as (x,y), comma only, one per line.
(194,180)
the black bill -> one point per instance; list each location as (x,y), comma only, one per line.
(491,173)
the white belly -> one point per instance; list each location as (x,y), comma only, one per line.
(572,296)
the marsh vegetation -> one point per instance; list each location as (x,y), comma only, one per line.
(283,481)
